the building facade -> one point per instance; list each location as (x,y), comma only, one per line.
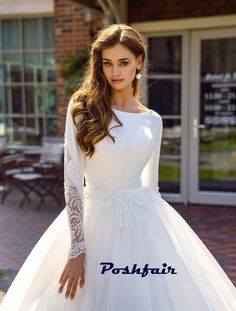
(190,80)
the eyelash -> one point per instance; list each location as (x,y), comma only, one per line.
(124,63)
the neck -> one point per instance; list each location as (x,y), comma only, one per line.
(123,99)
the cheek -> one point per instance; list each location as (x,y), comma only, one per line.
(105,71)
(131,72)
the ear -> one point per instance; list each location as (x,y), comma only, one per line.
(139,62)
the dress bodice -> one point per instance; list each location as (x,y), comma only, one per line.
(130,162)
(120,164)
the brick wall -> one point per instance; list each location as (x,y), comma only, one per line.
(72,32)
(174,9)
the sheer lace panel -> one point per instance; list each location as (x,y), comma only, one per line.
(74,186)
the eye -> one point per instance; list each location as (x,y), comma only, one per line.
(124,63)
(106,64)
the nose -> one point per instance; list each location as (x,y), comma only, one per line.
(115,71)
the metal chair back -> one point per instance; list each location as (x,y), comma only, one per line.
(52,149)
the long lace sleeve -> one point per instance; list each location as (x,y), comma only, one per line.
(73,186)
(150,174)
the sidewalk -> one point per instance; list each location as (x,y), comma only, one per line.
(20,229)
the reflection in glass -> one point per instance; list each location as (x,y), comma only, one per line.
(164,96)
(32,63)
(13,67)
(51,126)
(217,162)
(10,34)
(2,126)
(39,75)
(217,135)
(169,171)
(2,73)
(48,36)
(31,38)
(34,130)
(50,99)
(14,99)
(49,67)
(33,99)
(164,54)
(15,130)
(2,100)
(169,175)
(27,77)
(171,137)
(16,73)
(218,56)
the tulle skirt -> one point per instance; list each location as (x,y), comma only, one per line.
(141,255)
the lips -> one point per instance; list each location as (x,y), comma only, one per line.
(117,80)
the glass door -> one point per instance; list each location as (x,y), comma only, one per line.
(212,153)
(166,90)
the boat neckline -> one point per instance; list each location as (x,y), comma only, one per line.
(135,113)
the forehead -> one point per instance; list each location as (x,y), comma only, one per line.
(116,52)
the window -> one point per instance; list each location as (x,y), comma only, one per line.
(27,80)
(164,95)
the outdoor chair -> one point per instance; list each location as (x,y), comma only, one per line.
(42,177)
(8,166)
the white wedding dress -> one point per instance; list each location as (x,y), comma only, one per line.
(120,219)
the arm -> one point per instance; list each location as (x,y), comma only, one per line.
(150,172)
(73,186)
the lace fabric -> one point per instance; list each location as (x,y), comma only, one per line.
(124,203)
(73,185)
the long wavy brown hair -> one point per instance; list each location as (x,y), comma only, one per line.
(92,100)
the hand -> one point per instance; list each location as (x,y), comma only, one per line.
(73,272)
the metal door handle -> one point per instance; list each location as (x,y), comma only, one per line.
(197,126)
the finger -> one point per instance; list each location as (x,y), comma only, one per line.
(73,289)
(69,286)
(81,282)
(62,275)
(63,282)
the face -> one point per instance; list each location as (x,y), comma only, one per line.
(119,66)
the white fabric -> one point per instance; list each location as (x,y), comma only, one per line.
(73,185)
(120,218)
(28,176)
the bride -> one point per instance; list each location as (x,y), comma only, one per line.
(117,244)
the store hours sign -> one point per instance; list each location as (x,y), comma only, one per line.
(218,99)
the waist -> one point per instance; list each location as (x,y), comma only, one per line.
(119,192)
(111,184)
(114,189)
(111,195)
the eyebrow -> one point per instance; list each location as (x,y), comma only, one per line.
(118,59)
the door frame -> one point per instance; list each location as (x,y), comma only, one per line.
(182,196)
(196,196)
(186,26)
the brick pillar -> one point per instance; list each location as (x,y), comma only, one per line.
(72,32)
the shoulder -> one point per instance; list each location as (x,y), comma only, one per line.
(70,104)
(156,116)
(156,123)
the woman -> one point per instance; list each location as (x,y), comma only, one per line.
(129,249)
